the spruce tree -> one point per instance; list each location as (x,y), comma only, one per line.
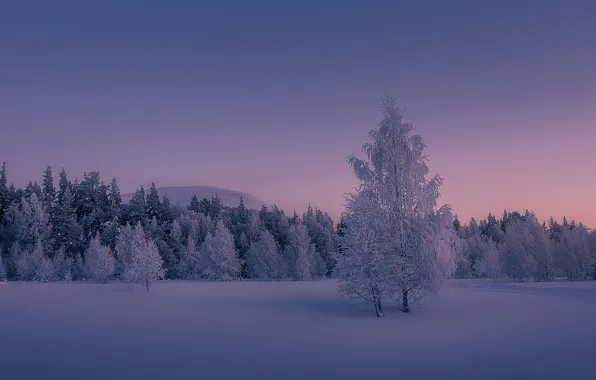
(48,190)
(66,231)
(4,193)
(153,204)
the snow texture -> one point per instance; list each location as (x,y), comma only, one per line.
(295,330)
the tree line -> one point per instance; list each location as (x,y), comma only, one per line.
(393,240)
(518,247)
(81,230)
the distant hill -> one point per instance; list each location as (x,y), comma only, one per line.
(183,194)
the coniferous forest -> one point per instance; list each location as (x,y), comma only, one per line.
(71,230)
(81,230)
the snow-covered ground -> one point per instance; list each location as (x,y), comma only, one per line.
(294,330)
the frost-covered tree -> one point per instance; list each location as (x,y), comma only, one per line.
(99,261)
(490,264)
(32,224)
(28,261)
(300,254)
(515,252)
(572,253)
(63,265)
(46,271)
(153,203)
(189,267)
(124,250)
(264,261)
(540,249)
(395,171)
(147,264)
(219,256)
(364,259)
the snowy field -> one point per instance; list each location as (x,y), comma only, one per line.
(294,330)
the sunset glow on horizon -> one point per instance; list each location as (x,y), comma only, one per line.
(270,99)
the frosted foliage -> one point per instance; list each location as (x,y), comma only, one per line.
(176,231)
(134,241)
(46,271)
(364,261)
(428,259)
(396,168)
(99,261)
(264,261)
(254,223)
(147,264)
(422,244)
(124,251)
(189,266)
(219,256)
(574,255)
(195,225)
(63,266)
(32,222)
(515,252)
(27,263)
(540,250)
(490,264)
(300,255)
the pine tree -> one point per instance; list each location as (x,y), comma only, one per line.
(32,188)
(215,208)
(4,193)
(47,189)
(136,207)
(63,184)
(66,231)
(99,261)
(194,204)
(114,196)
(153,204)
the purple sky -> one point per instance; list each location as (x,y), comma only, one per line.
(270,98)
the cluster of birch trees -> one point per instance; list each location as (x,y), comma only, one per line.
(395,241)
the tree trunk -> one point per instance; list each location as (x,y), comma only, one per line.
(378,308)
(377,302)
(404,301)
